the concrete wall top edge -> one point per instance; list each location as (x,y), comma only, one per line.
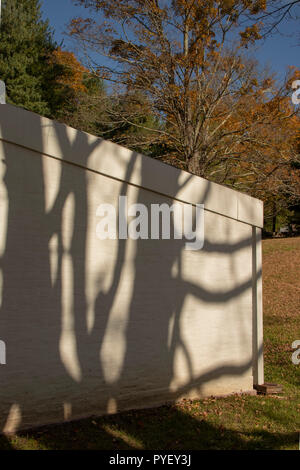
(51,138)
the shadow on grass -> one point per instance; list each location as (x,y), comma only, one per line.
(164,428)
(5,443)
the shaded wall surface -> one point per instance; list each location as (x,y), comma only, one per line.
(94,326)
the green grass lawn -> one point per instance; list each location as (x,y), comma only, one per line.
(235,422)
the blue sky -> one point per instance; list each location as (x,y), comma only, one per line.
(277,52)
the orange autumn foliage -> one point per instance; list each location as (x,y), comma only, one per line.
(73,70)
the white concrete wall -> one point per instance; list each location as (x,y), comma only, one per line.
(94,326)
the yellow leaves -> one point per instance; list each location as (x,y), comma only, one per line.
(73,69)
(227,5)
(251,34)
(213,12)
(267,83)
(79,25)
(258,5)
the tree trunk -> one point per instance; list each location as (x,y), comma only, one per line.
(193,165)
(274,218)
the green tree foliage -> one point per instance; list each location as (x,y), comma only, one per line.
(25,43)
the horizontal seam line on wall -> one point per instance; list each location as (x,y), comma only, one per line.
(124,181)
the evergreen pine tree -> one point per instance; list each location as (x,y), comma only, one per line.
(25,44)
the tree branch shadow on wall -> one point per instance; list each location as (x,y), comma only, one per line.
(43,316)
